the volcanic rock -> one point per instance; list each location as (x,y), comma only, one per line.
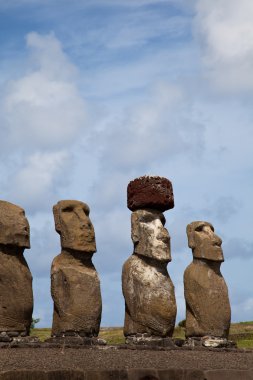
(150,192)
(150,237)
(208,310)
(16,301)
(150,305)
(75,285)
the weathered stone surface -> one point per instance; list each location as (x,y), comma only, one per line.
(75,285)
(16,301)
(228,374)
(13,334)
(73,224)
(205,244)
(129,374)
(209,342)
(75,289)
(43,375)
(217,342)
(25,339)
(150,192)
(150,305)
(208,310)
(76,340)
(151,341)
(14,227)
(149,235)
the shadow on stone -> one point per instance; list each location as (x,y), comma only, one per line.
(133,374)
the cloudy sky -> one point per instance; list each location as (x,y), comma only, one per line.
(95,93)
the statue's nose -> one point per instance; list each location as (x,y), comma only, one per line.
(163,235)
(80,215)
(217,240)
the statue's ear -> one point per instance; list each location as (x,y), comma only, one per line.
(56,212)
(135,228)
(190,234)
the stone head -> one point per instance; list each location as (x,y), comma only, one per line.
(204,242)
(14,227)
(73,224)
(149,235)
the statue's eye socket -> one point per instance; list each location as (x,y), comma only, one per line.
(150,220)
(67,209)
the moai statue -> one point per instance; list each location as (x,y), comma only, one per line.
(75,285)
(16,296)
(208,311)
(150,305)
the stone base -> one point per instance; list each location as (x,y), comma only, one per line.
(17,337)
(178,342)
(149,340)
(76,340)
(209,342)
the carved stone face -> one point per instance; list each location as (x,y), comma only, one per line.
(14,227)
(204,242)
(149,235)
(73,224)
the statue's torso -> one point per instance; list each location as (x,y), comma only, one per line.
(16,296)
(75,289)
(207,302)
(149,296)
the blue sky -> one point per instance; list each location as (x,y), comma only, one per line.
(96,93)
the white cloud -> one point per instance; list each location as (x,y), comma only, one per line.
(226,32)
(43,116)
(43,109)
(152,130)
(138,28)
(37,182)
(48,55)
(221,209)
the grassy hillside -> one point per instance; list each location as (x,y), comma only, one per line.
(241,332)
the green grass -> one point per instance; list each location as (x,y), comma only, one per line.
(246,323)
(245,343)
(241,332)
(42,334)
(178,332)
(113,335)
(241,327)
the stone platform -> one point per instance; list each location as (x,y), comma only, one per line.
(47,361)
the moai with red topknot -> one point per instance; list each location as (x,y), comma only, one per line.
(208,310)
(150,304)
